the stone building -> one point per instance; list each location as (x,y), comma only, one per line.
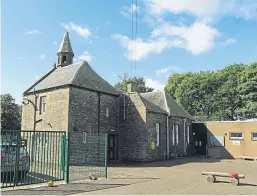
(153,126)
(73,97)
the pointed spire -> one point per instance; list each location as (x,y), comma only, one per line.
(66,44)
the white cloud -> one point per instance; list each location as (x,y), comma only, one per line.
(228,42)
(21,58)
(144,48)
(197,38)
(210,9)
(128,11)
(55,42)
(196,35)
(42,57)
(166,70)
(85,56)
(158,86)
(80,30)
(33,31)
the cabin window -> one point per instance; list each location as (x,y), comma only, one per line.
(64,59)
(254,136)
(236,135)
(188,134)
(42,104)
(173,135)
(177,134)
(157,127)
(107,111)
(84,137)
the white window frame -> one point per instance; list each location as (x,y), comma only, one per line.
(236,138)
(157,129)
(84,137)
(253,138)
(177,134)
(107,111)
(42,104)
(173,135)
(188,134)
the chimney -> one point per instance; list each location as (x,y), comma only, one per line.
(131,87)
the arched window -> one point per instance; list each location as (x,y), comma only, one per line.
(64,59)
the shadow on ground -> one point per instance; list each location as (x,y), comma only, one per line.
(165,163)
(67,189)
(240,184)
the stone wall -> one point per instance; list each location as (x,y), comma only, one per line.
(158,152)
(88,153)
(83,112)
(179,149)
(83,117)
(132,130)
(55,117)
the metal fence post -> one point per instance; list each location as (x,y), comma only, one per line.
(105,156)
(67,160)
(63,138)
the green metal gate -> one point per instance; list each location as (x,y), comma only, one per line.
(31,157)
(87,155)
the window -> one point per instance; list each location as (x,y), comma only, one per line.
(236,135)
(64,59)
(42,104)
(157,126)
(188,134)
(173,135)
(84,137)
(177,134)
(107,111)
(254,135)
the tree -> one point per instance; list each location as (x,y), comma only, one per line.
(197,95)
(248,92)
(174,82)
(139,81)
(227,94)
(10,113)
(229,98)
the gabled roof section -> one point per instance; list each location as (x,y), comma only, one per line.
(160,101)
(66,44)
(154,102)
(175,108)
(152,107)
(79,74)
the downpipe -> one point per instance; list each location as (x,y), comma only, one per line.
(185,147)
(168,143)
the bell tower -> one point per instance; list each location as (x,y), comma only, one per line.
(65,53)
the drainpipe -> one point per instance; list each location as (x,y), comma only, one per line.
(168,141)
(98,119)
(185,150)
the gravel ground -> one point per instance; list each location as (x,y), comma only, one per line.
(173,177)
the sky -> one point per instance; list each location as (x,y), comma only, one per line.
(169,36)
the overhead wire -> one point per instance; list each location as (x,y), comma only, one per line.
(132,36)
(136,40)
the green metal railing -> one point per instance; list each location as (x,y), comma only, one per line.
(87,155)
(30,157)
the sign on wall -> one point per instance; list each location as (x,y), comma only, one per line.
(236,142)
(217,140)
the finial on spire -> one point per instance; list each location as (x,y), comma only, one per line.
(66,44)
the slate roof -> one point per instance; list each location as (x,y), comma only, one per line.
(79,74)
(152,107)
(161,101)
(66,44)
